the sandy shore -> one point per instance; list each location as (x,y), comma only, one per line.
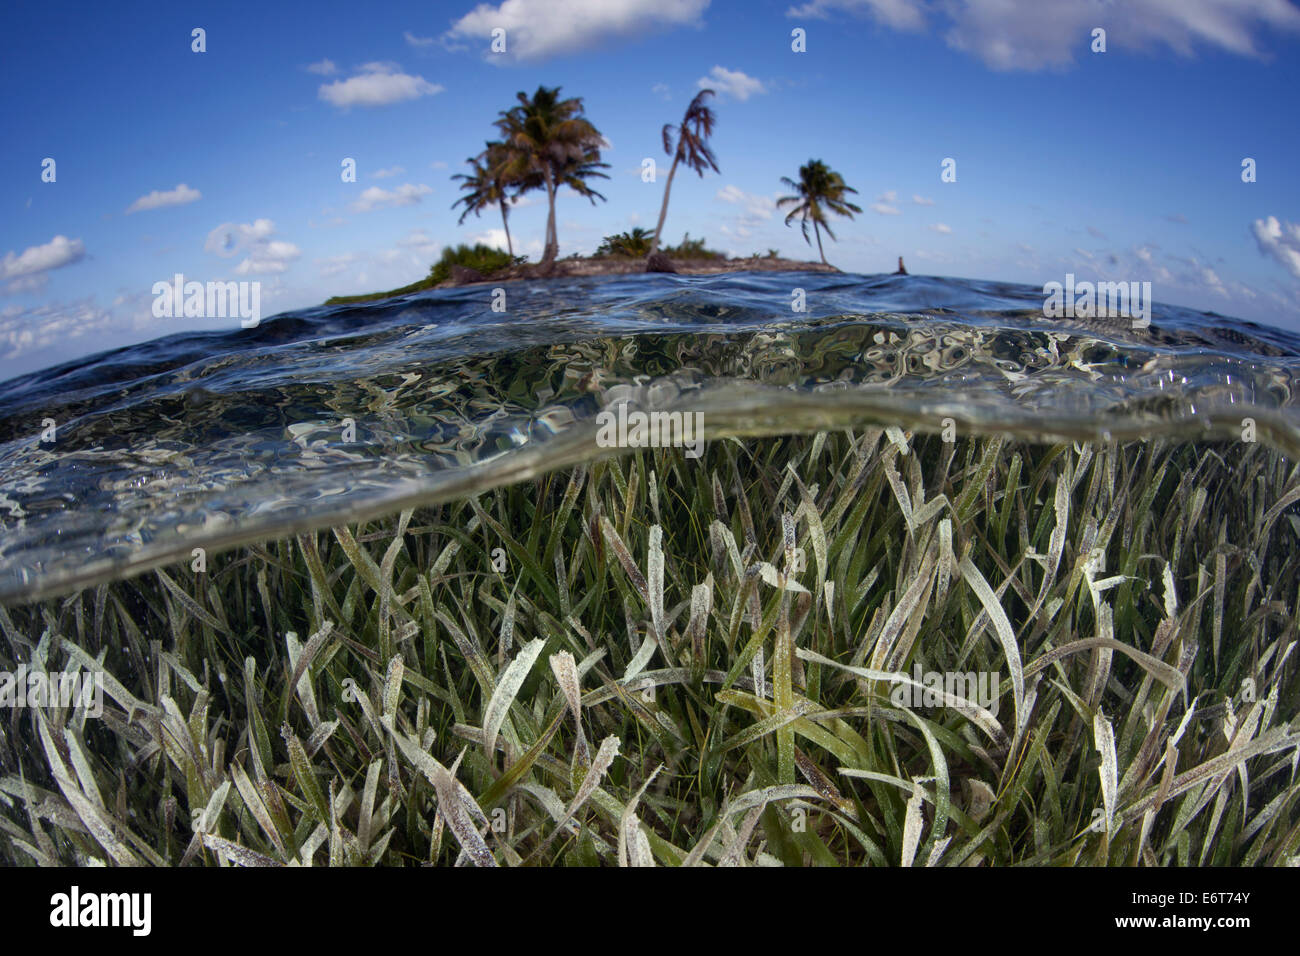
(579,266)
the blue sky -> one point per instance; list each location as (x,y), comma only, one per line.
(225,164)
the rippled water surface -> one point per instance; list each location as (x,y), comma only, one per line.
(215,439)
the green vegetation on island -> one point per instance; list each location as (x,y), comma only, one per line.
(638,243)
(479,257)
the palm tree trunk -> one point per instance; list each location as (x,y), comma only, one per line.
(663,210)
(819,243)
(505,221)
(552,240)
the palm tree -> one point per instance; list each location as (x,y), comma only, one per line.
(487,186)
(549,139)
(574,174)
(820,189)
(696,128)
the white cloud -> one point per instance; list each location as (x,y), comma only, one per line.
(179,196)
(890,196)
(942,229)
(1201,279)
(496,238)
(437,164)
(323,68)
(405,195)
(29,330)
(418,240)
(263,255)
(663,90)
(731,82)
(269,258)
(25,284)
(387,173)
(59,251)
(921,200)
(540,29)
(755,211)
(403,262)
(900,14)
(1279,241)
(1213,282)
(756,207)
(336,265)
(415,41)
(229,238)
(378,84)
(885,209)
(1035,35)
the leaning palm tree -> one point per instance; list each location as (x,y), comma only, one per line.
(487,185)
(819,190)
(549,140)
(692,149)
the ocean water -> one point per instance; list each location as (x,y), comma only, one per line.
(345,413)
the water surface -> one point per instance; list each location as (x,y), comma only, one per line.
(217,439)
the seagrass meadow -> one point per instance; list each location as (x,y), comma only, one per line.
(690,662)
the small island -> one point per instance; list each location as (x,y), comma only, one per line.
(627,253)
(547,143)
(579,266)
